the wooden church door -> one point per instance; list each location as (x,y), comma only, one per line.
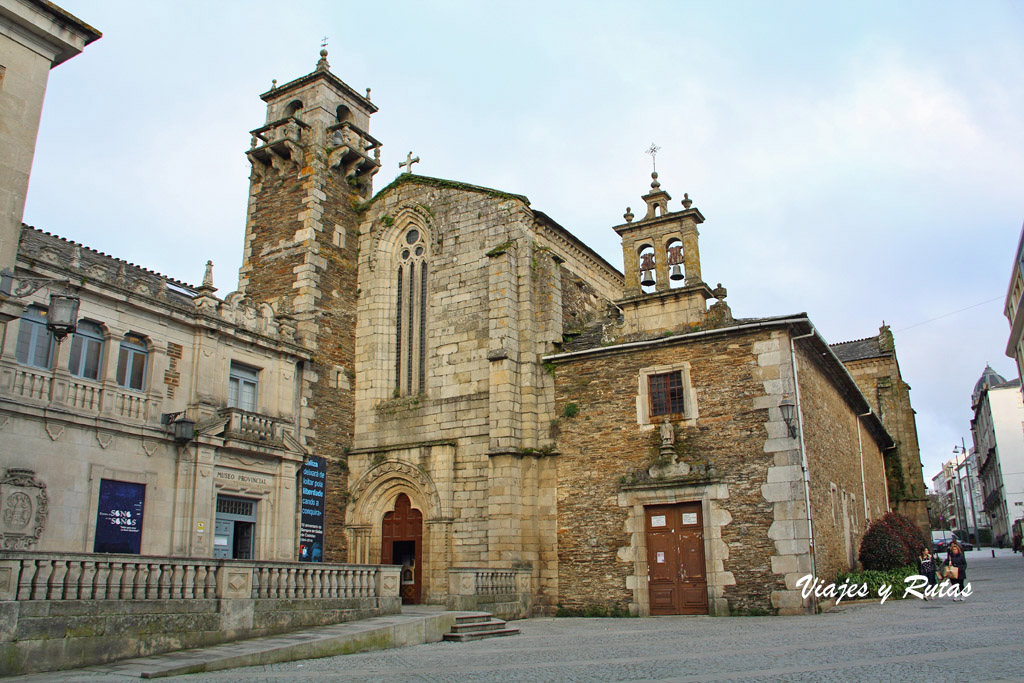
(402,543)
(677,575)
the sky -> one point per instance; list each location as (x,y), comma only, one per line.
(861,162)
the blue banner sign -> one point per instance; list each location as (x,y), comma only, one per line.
(119,517)
(312,478)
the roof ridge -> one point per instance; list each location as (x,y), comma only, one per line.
(167,278)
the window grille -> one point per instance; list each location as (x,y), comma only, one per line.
(234,506)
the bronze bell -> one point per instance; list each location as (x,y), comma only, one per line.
(675,273)
(646,279)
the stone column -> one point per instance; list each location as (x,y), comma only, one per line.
(691,253)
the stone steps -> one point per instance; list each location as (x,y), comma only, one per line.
(478,626)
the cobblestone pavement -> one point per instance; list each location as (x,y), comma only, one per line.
(980,639)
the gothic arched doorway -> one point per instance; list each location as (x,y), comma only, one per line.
(402,543)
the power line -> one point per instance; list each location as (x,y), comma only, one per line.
(946,315)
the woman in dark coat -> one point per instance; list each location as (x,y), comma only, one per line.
(926,567)
(955,558)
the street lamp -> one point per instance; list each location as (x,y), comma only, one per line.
(183,428)
(958,450)
(786,408)
(62,315)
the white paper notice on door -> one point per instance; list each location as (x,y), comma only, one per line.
(657,520)
(689,518)
(661,558)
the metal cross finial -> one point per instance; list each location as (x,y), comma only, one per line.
(653,151)
(323,43)
(409,161)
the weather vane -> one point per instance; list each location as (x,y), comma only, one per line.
(653,151)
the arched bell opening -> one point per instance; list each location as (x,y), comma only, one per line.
(648,276)
(676,268)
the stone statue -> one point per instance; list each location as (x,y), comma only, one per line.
(668,434)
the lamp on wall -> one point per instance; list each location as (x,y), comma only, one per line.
(62,316)
(184,429)
(786,407)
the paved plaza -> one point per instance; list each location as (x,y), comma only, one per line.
(980,639)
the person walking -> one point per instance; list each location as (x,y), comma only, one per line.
(926,568)
(956,562)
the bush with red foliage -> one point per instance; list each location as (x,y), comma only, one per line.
(892,541)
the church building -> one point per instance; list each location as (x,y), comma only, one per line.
(478,390)
(488,391)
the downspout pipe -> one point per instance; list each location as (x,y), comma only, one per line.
(803,453)
(863,483)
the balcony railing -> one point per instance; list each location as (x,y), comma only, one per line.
(254,427)
(29,385)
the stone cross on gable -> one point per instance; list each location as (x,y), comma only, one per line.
(409,161)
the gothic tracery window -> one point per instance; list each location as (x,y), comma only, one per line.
(410,313)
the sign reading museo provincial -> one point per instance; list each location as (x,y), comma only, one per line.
(311,526)
(119,517)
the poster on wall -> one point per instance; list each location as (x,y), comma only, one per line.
(119,517)
(312,477)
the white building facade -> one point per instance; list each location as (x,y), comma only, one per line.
(999,444)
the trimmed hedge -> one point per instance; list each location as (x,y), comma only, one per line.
(874,580)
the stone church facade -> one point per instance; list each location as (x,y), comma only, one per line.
(486,390)
(483,387)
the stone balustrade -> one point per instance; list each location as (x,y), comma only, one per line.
(68,576)
(248,426)
(61,610)
(32,385)
(504,592)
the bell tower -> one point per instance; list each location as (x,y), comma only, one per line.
(313,163)
(663,289)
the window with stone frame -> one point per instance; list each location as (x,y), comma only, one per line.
(35,342)
(243,382)
(131,362)
(86,350)
(666,391)
(411,294)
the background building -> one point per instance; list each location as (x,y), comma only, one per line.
(1012,308)
(999,444)
(961,497)
(874,367)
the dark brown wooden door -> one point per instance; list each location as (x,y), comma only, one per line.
(402,543)
(677,574)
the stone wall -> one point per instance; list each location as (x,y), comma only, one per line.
(839,450)
(60,611)
(606,456)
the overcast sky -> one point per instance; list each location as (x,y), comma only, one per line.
(858,161)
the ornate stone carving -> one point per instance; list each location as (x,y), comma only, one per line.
(24,508)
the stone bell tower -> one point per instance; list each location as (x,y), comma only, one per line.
(313,163)
(661,259)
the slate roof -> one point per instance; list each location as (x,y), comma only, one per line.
(858,349)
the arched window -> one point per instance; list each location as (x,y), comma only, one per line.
(411,313)
(343,114)
(131,362)
(86,351)
(293,108)
(35,342)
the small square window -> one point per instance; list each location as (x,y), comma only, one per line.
(666,392)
